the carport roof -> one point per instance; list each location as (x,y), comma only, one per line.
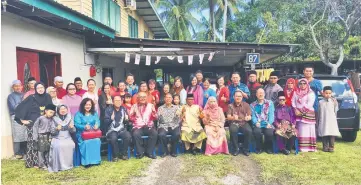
(226,53)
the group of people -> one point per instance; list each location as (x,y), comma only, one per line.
(49,124)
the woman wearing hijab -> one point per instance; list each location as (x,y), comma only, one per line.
(62,146)
(26,114)
(178,89)
(105,101)
(289,90)
(302,102)
(196,90)
(71,100)
(214,125)
(53,94)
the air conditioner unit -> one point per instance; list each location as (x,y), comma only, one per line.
(131,4)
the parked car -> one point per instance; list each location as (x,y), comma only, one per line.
(348,115)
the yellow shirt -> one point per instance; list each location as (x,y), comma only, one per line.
(191,118)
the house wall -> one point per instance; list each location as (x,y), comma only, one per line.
(85,7)
(82,6)
(20,32)
(142,26)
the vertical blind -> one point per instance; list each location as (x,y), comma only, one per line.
(107,12)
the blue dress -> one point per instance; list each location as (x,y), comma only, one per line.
(316,86)
(89,149)
(210,92)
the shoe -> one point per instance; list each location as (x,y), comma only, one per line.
(269,151)
(259,151)
(18,157)
(173,155)
(139,156)
(152,156)
(115,159)
(331,150)
(286,152)
(195,151)
(245,152)
(164,155)
(124,157)
(235,153)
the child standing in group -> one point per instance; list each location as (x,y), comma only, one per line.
(176,100)
(41,135)
(327,124)
(127,102)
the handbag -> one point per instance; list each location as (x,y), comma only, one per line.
(91,134)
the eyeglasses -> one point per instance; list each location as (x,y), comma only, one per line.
(302,83)
(282,99)
(71,89)
(273,78)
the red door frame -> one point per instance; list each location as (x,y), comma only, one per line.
(24,54)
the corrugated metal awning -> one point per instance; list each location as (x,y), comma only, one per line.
(146,9)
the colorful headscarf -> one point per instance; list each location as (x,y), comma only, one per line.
(212,109)
(303,92)
(289,92)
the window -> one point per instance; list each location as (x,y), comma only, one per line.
(107,12)
(146,35)
(133,27)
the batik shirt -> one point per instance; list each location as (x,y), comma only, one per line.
(167,117)
(263,113)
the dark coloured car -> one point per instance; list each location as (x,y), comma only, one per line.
(348,116)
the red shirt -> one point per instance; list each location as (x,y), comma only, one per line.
(113,90)
(80,92)
(156,95)
(223,92)
(60,92)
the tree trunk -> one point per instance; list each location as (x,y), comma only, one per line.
(334,69)
(225,20)
(211,18)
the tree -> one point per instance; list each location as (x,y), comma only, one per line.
(177,17)
(229,8)
(331,23)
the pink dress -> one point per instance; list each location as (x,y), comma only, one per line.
(216,134)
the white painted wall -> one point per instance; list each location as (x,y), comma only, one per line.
(20,32)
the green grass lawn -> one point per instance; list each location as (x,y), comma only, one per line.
(14,173)
(341,167)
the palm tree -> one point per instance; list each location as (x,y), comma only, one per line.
(232,7)
(176,15)
(219,14)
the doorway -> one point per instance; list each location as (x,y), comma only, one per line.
(41,65)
